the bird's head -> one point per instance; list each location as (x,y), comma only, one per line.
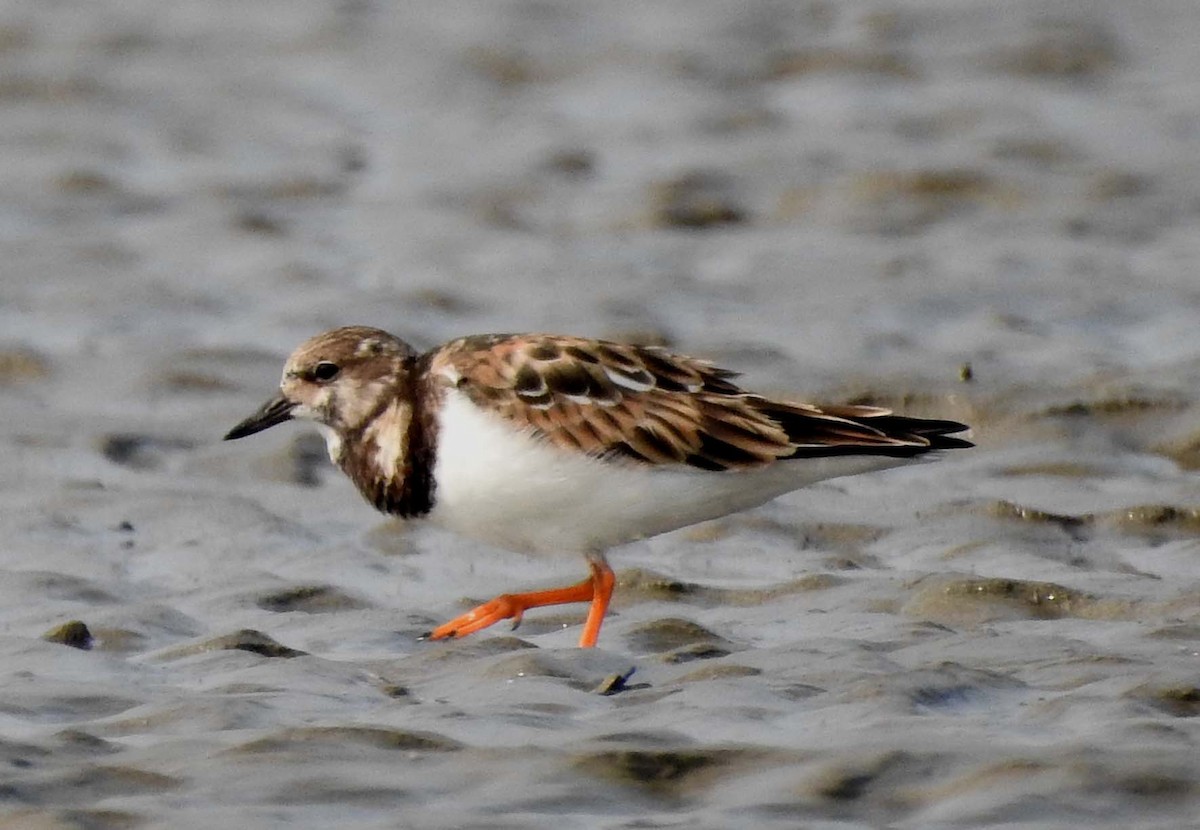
(338,379)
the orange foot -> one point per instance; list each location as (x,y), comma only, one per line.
(596,589)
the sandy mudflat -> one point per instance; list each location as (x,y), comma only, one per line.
(845,200)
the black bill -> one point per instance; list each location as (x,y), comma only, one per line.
(275,411)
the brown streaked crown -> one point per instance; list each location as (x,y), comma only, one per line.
(346,376)
(366,385)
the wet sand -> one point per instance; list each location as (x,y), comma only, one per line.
(979,211)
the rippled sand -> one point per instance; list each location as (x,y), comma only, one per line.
(975,210)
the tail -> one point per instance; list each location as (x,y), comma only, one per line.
(861,430)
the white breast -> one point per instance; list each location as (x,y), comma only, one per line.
(503,486)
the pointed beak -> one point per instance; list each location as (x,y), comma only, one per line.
(275,411)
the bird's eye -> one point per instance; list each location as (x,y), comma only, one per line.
(325,370)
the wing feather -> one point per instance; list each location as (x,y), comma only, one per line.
(648,406)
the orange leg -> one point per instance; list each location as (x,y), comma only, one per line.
(596,589)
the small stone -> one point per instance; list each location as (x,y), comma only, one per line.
(618,682)
(74,634)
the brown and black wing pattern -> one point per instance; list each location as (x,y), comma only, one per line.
(649,406)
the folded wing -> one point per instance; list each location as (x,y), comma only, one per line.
(646,405)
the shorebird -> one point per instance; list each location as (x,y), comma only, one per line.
(547,443)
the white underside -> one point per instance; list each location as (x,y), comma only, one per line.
(511,490)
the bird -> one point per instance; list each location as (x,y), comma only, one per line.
(544,443)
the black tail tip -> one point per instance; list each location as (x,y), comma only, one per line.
(940,435)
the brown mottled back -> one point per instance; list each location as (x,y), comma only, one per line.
(649,406)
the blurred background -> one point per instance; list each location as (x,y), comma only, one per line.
(879,187)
